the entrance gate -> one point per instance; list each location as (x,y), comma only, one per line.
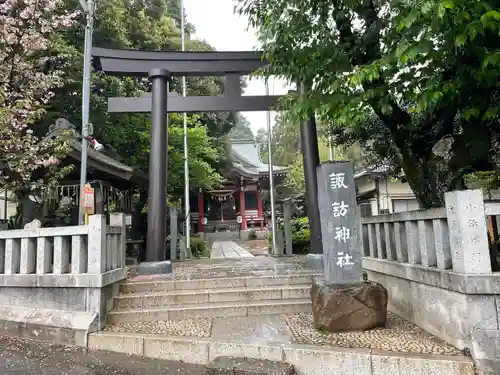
(160,67)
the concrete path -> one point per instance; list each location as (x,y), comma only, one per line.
(228,250)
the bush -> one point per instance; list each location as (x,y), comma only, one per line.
(199,248)
(301,235)
(252,235)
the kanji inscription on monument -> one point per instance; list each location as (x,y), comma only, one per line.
(340,222)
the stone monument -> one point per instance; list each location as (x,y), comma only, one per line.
(343,302)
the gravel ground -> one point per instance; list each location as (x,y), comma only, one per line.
(201,327)
(398,336)
(27,357)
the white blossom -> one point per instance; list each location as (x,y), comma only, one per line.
(26,29)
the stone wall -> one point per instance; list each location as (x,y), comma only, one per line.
(448,305)
(436,267)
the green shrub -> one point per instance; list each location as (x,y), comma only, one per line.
(252,235)
(301,235)
(199,248)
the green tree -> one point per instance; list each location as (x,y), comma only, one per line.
(417,82)
(241,129)
(261,140)
(140,24)
(295,179)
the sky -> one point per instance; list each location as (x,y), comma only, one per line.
(216,23)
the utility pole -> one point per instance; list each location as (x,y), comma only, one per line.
(271,174)
(187,207)
(88,8)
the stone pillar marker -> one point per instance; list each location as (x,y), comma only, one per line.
(343,302)
(340,222)
(287,221)
(173,233)
(201,212)
(468,233)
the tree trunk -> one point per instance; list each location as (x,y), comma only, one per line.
(27,208)
(431,176)
(427,184)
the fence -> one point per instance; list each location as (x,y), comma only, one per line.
(95,248)
(415,237)
(437,268)
(427,237)
(57,284)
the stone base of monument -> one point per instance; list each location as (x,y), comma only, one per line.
(354,306)
(315,261)
(147,271)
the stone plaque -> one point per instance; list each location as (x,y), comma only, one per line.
(340,222)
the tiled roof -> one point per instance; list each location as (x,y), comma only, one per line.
(245,155)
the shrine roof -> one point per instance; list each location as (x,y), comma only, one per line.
(245,157)
(96,159)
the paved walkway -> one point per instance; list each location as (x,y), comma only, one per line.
(228,250)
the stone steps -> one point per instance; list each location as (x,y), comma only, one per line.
(255,281)
(160,299)
(208,310)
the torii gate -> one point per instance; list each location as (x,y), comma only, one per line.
(159,67)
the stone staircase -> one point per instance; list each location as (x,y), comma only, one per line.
(229,316)
(212,297)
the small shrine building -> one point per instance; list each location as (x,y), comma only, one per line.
(237,205)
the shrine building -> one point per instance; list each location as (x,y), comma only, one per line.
(236,207)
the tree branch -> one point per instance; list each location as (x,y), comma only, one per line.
(398,118)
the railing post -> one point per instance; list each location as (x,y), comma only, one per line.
(468,235)
(28,255)
(12,256)
(97,244)
(117,219)
(2,256)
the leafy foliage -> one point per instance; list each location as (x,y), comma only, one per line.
(27,84)
(295,178)
(140,24)
(199,248)
(241,129)
(286,151)
(300,235)
(402,78)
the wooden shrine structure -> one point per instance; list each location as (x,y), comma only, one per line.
(237,204)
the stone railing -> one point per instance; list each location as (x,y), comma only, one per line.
(93,249)
(414,237)
(436,267)
(57,284)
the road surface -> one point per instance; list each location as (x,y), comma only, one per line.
(28,357)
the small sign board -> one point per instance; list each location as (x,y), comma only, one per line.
(340,222)
(88,200)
